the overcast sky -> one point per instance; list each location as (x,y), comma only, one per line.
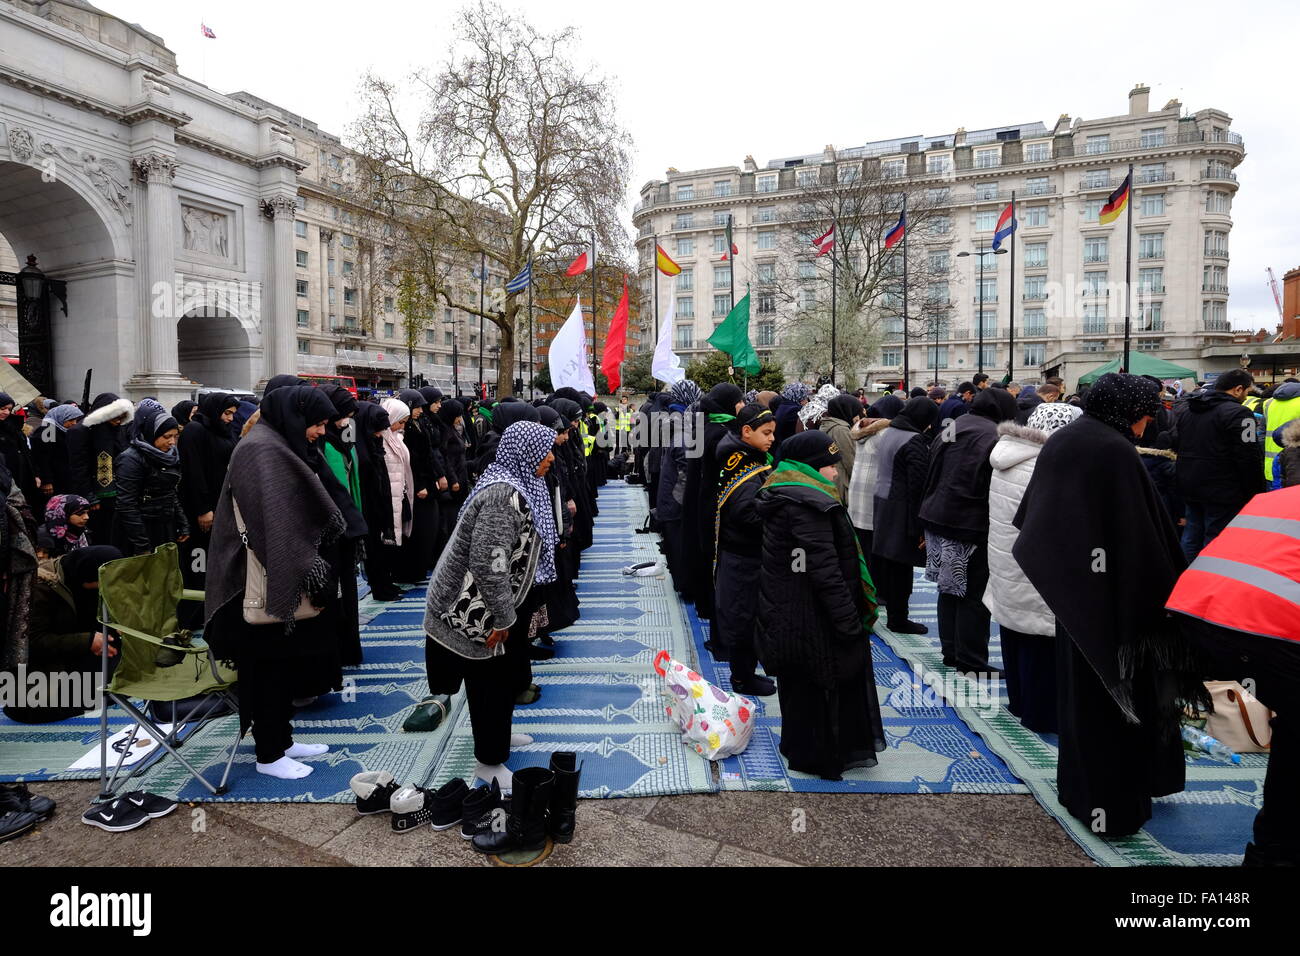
(705,84)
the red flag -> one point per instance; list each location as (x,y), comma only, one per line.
(581,264)
(825,242)
(614,343)
(735,251)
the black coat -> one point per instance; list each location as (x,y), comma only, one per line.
(416,436)
(1025,405)
(809,622)
(16,456)
(956,503)
(1162,470)
(896,516)
(93,451)
(1215,463)
(740,530)
(149,510)
(53,459)
(376,500)
(206,447)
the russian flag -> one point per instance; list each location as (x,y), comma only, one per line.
(895,234)
(1006,225)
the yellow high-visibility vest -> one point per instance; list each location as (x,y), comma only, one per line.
(1277,412)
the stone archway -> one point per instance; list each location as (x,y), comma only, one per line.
(214,349)
(73,240)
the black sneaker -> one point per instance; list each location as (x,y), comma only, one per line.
(479,805)
(448,804)
(115,817)
(374,790)
(907,627)
(152,804)
(16,797)
(413,807)
(15,823)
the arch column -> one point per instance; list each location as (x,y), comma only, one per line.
(280,339)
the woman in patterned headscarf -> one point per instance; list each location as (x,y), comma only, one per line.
(1096,546)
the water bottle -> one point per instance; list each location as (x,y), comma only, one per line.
(1203,741)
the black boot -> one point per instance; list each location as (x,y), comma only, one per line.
(478,809)
(564,797)
(526,824)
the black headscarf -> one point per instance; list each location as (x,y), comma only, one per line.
(345,405)
(722,399)
(550,418)
(918,413)
(811,447)
(431,394)
(568,409)
(1122,400)
(211,407)
(844,407)
(887,406)
(289,410)
(507,413)
(450,411)
(993,403)
(413,398)
(281,381)
(6,399)
(183,411)
(81,567)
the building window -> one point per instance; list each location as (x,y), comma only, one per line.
(765,214)
(939,226)
(893,169)
(388,303)
(329,266)
(334,299)
(1096,249)
(986,221)
(767,239)
(300,229)
(807,299)
(429,338)
(1035,322)
(447,337)
(1096,179)
(1033,354)
(986,191)
(988,158)
(766,334)
(1150,317)
(685,220)
(937,196)
(304,347)
(721,304)
(302,288)
(1214,279)
(1035,216)
(766,184)
(766,304)
(347,268)
(1035,255)
(1035,287)
(720,244)
(720,216)
(1151,245)
(807,177)
(686,307)
(722,187)
(766,272)
(686,191)
(941,163)
(936,356)
(937,294)
(989,355)
(1092,209)
(685,247)
(807,269)
(303,319)
(721,277)
(989,322)
(1155,136)
(1094,320)
(1216,242)
(349,296)
(1151,280)
(891,357)
(683,336)
(1217,202)
(1152,173)
(1097,144)
(1150,345)
(850,173)
(938,261)
(300,257)
(1038,152)
(1037,186)
(347,241)
(1153,204)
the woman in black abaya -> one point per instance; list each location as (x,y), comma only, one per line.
(1095,544)
(719,407)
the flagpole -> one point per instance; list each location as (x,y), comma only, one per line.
(595,330)
(835,225)
(532,360)
(654,266)
(1128,270)
(731,295)
(906,338)
(1011,303)
(482,284)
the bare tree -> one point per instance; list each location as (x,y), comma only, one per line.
(794,288)
(515,150)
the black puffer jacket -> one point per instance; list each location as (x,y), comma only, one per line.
(1215,462)
(740,530)
(149,510)
(809,620)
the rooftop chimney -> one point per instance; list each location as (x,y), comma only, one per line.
(750,165)
(959,137)
(1139,100)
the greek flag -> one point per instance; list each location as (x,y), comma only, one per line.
(522,280)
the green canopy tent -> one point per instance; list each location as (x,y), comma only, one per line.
(1140,364)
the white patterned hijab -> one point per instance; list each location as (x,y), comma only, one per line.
(1049,416)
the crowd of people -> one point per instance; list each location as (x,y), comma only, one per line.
(791,522)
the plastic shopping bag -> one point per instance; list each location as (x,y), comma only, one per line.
(716,724)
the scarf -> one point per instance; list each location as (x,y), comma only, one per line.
(686,393)
(152,420)
(524,445)
(62,414)
(1050,416)
(791,472)
(796,392)
(1122,400)
(57,511)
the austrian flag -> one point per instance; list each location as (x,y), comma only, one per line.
(825,242)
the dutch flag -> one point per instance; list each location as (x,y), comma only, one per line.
(1006,226)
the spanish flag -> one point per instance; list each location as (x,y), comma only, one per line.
(666,265)
(1117,202)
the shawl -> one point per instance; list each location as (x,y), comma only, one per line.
(720,403)
(524,445)
(1122,400)
(289,515)
(289,410)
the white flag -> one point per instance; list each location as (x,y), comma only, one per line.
(569,358)
(667,365)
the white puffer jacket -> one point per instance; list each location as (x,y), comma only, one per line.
(397,459)
(1010,598)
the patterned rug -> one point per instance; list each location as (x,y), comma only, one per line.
(1208,824)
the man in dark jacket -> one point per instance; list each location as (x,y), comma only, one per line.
(1220,458)
(955,515)
(745,461)
(956,405)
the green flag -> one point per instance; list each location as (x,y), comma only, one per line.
(732,337)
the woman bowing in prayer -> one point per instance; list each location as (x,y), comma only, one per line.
(1096,545)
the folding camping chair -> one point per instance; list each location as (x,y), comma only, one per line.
(137,601)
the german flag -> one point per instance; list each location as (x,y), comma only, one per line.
(1117,202)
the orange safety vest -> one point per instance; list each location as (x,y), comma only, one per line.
(1248,578)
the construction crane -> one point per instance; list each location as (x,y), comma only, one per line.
(1277,295)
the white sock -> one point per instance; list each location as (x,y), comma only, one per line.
(297,751)
(520,740)
(286,768)
(487,773)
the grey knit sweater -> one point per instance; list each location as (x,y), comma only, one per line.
(496,525)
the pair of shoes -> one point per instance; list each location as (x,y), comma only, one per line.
(14,823)
(17,798)
(756,686)
(128,812)
(538,653)
(543,802)
(374,790)
(442,808)
(907,627)
(529,695)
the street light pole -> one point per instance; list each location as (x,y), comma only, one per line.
(981,250)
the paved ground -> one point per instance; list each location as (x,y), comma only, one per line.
(725,829)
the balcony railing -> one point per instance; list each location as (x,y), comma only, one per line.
(1035,296)
(1148,178)
(1035,263)
(1087,184)
(1156,253)
(1039,189)
(1095,257)
(1220,252)
(986,298)
(1214,287)
(1225,175)
(1152,289)
(1034,332)
(1216,325)
(347,329)
(685,226)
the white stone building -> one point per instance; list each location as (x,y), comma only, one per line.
(1068,299)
